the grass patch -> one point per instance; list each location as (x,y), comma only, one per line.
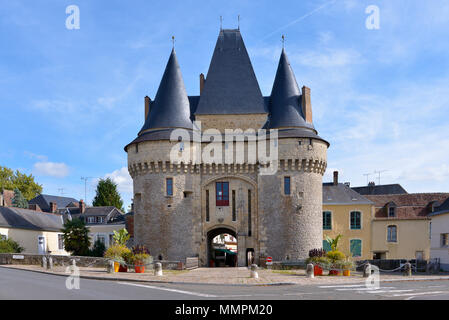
(285,271)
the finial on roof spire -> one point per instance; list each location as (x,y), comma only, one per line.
(221,23)
(173,41)
(238,22)
(283,40)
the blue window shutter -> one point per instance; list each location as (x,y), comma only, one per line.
(326,246)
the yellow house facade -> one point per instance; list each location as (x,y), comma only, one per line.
(347,213)
(36,232)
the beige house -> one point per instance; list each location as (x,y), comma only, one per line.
(401,225)
(36,232)
(349,214)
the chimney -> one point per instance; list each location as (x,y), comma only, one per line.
(202,82)
(306,104)
(335,178)
(147,106)
(371,184)
(53,207)
(82,206)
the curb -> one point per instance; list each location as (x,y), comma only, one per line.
(158,281)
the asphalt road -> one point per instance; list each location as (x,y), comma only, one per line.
(19,284)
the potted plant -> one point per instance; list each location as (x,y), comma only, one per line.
(141,256)
(347,266)
(318,258)
(117,253)
(335,257)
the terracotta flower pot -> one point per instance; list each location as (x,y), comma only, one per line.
(346,273)
(334,272)
(317,270)
(139,269)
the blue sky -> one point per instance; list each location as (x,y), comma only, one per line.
(70,100)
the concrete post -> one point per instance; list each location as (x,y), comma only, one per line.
(158,269)
(309,271)
(44,262)
(50,263)
(111,266)
(408,269)
(367,270)
(254,273)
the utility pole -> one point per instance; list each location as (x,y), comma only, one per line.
(379,172)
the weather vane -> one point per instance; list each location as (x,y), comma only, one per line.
(221,22)
(283,40)
(238,22)
(173,41)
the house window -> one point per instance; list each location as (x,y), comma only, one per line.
(169,186)
(207,205)
(444,239)
(356,220)
(327,220)
(100,219)
(356,247)
(391,212)
(101,238)
(137,148)
(60,242)
(326,246)
(91,219)
(3,237)
(287,185)
(222,194)
(392,234)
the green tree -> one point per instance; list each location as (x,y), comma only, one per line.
(18,200)
(121,237)
(76,237)
(9,180)
(107,194)
(98,249)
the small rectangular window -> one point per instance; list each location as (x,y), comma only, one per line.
(207,205)
(327,220)
(169,182)
(444,239)
(234,213)
(249,213)
(60,242)
(391,212)
(287,185)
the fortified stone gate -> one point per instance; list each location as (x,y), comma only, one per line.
(179,206)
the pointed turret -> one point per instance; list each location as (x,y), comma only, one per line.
(171,107)
(285,100)
(231,86)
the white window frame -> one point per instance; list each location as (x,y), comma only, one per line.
(63,248)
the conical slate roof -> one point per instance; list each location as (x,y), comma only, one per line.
(231,86)
(171,107)
(285,101)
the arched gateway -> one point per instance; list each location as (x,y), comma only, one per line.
(180,206)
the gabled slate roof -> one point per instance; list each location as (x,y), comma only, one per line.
(443,208)
(341,194)
(43,201)
(28,219)
(231,86)
(381,189)
(171,106)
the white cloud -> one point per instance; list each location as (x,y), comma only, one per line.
(52,169)
(123,180)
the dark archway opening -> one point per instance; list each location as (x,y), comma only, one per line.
(222,248)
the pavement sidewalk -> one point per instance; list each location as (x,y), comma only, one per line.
(224,276)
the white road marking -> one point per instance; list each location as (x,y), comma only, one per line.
(362,289)
(389,291)
(344,286)
(171,290)
(417,294)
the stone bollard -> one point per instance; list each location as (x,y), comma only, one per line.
(309,271)
(367,270)
(254,273)
(50,263)
(44,262)
(158,269)
(111,266)
(408,269)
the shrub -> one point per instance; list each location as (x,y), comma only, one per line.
(10,246)
(317,253)
(335,256)
(98,249)
(76,237)
(140,249)
(118,253)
